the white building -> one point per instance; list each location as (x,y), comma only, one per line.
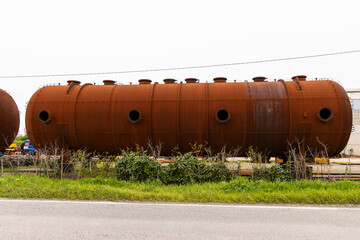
(353,147)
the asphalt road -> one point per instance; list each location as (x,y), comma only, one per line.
(37,219)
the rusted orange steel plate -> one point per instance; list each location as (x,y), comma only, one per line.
(9,120)
(266,115)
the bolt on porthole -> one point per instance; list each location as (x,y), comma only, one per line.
(325,114)
(222,115)
(134,116)
(44,116)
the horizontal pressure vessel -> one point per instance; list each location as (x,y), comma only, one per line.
(9,120)
(265,115)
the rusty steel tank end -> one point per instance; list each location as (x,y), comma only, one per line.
(9,120)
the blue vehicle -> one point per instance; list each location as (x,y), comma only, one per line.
(27,148)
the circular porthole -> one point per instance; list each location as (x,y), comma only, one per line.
(44,116)
(325,114)
(222,115)
(134,116)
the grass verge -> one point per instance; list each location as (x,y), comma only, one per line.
(236,191)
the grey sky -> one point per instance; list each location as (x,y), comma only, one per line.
(56,37)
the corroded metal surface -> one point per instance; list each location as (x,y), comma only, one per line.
(9,120)
(266,115)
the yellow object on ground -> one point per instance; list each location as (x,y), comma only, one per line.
(318,160)
(12,147)
(321,160)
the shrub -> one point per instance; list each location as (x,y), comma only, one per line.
(184,170)
(132,167)
(273,173)
(188,169)
(219,172)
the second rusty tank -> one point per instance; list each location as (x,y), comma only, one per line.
(9,120)
(266,115)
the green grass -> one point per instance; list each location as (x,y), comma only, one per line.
(236,191)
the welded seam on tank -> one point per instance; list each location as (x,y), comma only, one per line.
(70,87)
(304,143)
(289,107)
(178,117)
(206,114)
(275,111)
(248,123)
(112,114)
(74,114)
(244,116)
(151,112)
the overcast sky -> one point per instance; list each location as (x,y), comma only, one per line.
(59,37)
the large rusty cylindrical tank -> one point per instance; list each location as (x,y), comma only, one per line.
(265,115)
(9,120)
